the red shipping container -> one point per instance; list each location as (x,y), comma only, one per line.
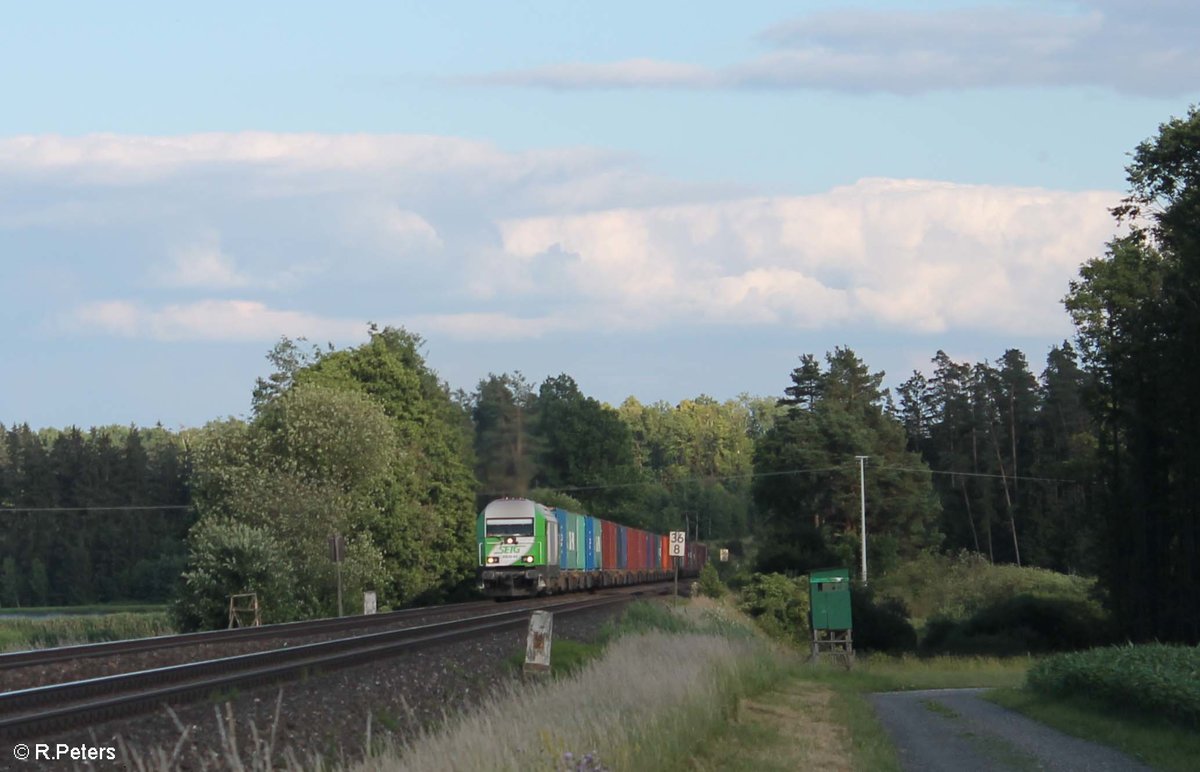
(666,551)
(608,544)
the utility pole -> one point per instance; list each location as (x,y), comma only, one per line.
(862,490)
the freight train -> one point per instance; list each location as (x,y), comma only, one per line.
(527,548)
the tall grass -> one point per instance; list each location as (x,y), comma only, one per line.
(639,707)
(34,633)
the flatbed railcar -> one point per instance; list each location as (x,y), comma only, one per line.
(526,548)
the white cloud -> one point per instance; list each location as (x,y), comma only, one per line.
(203,265)
(489,253)
(896,254)
(212,320)
(913,51)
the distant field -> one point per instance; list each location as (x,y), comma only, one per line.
(35,629)
(95,608)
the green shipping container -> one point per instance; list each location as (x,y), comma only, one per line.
(579,528)
(829,594)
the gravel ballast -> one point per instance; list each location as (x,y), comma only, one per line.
(327,714)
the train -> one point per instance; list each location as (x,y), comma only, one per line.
(528,549)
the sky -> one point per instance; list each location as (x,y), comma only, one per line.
(659,199)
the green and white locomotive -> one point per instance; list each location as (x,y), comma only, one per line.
(514,537)
(527,548)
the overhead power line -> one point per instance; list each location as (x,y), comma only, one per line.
(975,474)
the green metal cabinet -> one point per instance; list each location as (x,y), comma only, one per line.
(829,593)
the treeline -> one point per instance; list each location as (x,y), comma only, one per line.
(73,528)
(657,466)
(1015,456)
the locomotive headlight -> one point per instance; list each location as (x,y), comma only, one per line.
(493,559)
(510,540)
(528,558)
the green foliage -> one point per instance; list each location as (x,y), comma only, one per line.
(641,617)
(1154,679)
(809,482)
(710,582)
(69,630)
(39,583)
(1020,625)
(504,413)
(956,586)
(96,535)
(1161,745)
(9,583)
(880,624)
(226,558)
(779,604)
(364,442)
(1139,330)
(309,466)
(423,521)
(553,498)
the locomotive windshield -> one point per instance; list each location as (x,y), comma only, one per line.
(510,527)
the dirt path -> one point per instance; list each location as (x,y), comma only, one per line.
(954,729)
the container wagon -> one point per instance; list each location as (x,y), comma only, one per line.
(526,548)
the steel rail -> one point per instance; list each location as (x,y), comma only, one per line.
(262,632)
(42,709)
(31,657)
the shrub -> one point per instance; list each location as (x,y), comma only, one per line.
(1020,625)
(710,582)
(1154,679)
(957,587)
(880,625)
(779,604)
(228,557)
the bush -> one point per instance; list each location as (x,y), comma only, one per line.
(710,582)
(226,558)
(1020,625)
(880,625)
(779,604)
(1154,679)
(957,587)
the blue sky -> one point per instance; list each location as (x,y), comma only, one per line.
(659,199)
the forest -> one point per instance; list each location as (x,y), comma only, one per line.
(1087,464)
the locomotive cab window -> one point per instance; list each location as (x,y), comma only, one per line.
(510,527)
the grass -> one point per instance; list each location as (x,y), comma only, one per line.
(35,633)
(640,706)
(94,608)
(869,745)
(1154,742)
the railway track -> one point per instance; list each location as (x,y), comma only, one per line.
(63,706)
(264,632)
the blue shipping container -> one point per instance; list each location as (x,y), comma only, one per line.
(589,542)
(622,547)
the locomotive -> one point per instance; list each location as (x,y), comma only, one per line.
(527,548)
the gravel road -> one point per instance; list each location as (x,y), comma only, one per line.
(955,729)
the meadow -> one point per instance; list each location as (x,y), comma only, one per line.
(29,631)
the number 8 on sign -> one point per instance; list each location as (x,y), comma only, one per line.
(678,543)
